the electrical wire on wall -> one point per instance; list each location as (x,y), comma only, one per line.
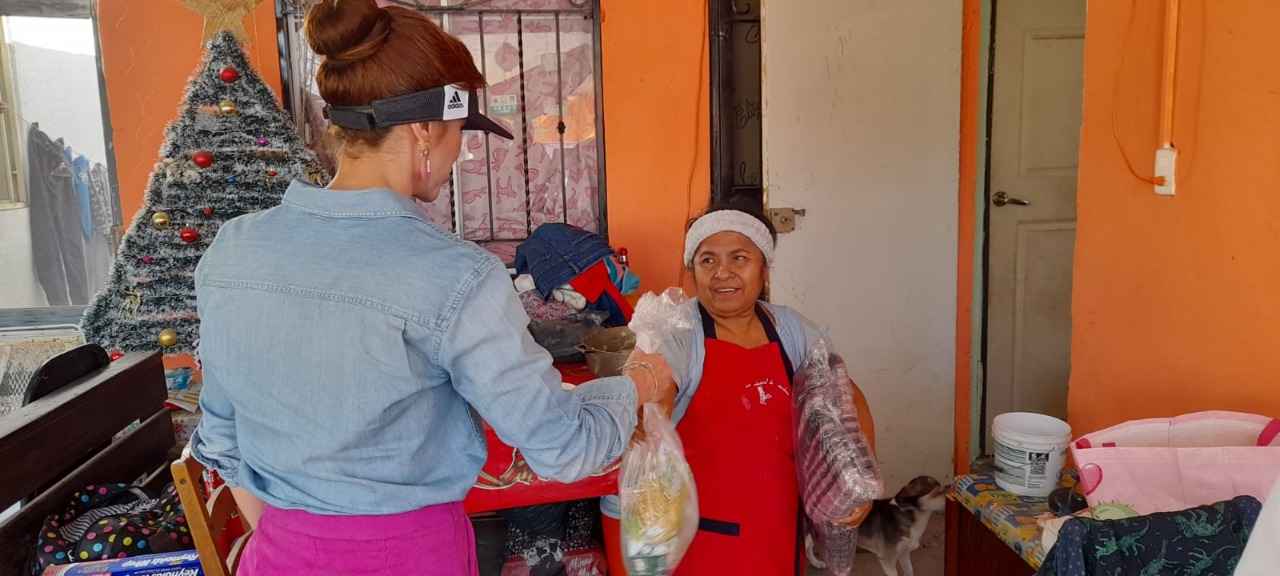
(702,73)
(1115,99)
(1168,90)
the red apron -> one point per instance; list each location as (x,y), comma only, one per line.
(737,439)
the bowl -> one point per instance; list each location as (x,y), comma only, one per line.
(607,350)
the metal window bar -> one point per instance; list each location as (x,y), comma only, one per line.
(301,71)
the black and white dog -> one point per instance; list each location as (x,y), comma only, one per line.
(893,527)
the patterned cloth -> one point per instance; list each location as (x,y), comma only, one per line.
(1198,542)
(108,521)
(574,554)
(541,309)
(1011,517)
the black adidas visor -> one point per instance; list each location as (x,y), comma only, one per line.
(442,103)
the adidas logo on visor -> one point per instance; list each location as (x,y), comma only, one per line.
(455,102)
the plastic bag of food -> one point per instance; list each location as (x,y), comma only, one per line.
(834,464)
(659,498)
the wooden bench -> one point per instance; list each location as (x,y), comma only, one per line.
(992,532)
(64,441)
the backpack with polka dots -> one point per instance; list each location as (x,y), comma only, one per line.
(108,521)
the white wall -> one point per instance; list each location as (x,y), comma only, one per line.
(861,128)
(18,285)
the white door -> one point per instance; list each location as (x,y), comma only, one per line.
(1037,92)
(861,129)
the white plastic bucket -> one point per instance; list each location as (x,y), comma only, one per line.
(1030,451)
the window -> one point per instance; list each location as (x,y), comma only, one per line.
(736,129)
(542,61)
(59,210)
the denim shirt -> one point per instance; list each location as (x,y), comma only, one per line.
(686,352)
(345,342)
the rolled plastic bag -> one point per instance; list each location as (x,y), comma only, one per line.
(835,468)
(835,545)
(659,498)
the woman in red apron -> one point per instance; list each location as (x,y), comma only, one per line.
(737,438)
(736,426)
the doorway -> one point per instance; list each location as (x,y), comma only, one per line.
(1035,115)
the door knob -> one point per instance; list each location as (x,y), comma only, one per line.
(1001,199)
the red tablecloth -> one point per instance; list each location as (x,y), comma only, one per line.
(506,481)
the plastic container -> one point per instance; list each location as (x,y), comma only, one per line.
(1030,451)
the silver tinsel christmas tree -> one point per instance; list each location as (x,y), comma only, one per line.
(231,151)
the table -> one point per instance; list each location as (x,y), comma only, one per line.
(507,482)
(994,531)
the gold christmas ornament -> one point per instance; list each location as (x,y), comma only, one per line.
(227,107)
(168,337)
(160,220)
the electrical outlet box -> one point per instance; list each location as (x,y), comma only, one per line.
(1167,168)
(784,219)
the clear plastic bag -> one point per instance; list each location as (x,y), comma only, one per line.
(834,464)
(659,498)
(656,316)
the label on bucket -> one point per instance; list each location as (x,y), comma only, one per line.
(1017,467)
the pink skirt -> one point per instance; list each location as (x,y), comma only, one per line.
(436,540)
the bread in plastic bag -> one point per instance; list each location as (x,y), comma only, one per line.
(658,496)
(834,464)
(659,499)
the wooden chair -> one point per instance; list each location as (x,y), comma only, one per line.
(210,521)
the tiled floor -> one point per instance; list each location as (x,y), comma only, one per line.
(928,560)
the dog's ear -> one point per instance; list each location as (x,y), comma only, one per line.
(916,489)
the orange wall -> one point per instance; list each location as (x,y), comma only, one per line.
(657,129)
(1175,299)
(970,85)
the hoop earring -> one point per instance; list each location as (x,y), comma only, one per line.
(426,163)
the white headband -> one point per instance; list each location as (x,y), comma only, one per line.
(728,221)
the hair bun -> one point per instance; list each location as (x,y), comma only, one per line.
(346,31)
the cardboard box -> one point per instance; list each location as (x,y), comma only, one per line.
(185,563)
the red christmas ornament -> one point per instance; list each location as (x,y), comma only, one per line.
(202,159)
(229,74)
(190,235)
(208,211)
(271,173)
(116,355)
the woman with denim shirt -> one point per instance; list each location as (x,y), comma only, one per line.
(733,410)
(349,347)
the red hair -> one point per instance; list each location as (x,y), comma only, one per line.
(372,53)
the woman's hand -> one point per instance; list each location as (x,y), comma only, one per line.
(652,376)
(855,519)
(650,372)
